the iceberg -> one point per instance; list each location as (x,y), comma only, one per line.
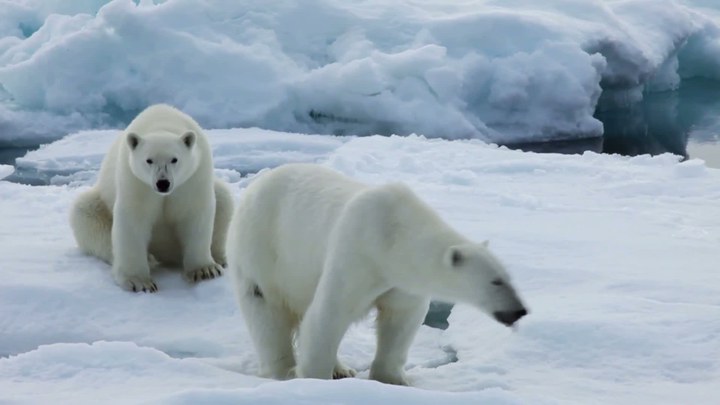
(500,71)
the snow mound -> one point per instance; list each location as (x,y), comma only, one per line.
(495,70)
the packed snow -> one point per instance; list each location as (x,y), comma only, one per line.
(616,257)
(504,71)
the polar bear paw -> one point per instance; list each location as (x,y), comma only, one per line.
(220,259)
(389,378)
(138,284)
(281,373)
(342,371)
(203,273)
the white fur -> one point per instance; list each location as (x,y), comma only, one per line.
(127,219)
(307,243)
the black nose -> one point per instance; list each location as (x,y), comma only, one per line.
(163,185)
(508,318)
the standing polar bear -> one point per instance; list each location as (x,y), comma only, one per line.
(313,251)
(156,200)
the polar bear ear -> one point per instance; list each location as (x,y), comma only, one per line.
(133,140)
(485,243)
(454,257)
(189,139)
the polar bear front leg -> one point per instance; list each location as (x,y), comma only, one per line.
(131,231)
(91,222)
(195,234)
(321,331)
(340,299)
(224,207)
(399,317)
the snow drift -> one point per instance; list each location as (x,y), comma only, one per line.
(503,71)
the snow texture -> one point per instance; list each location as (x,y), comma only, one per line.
(503,71)
(616,257)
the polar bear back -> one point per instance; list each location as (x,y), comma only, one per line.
(292,217)
(283,227)
(162,117)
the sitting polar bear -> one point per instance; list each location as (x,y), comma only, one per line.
(312,250)
(156,199)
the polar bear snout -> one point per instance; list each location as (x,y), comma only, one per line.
(162,186)
(508,318)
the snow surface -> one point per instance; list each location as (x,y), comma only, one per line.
(616,257)
(500,70)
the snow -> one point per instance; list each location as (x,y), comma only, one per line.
(504,71)
(6,170)
(616,258)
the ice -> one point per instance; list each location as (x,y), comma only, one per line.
(615,256)
(6,170)
(504,71)
(77,156)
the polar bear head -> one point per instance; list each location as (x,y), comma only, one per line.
(476,276)
(163,160)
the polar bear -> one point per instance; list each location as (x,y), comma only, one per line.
(156,200)
(311,251)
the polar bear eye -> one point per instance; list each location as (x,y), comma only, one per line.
(173,161)
(149,161)
(497,282)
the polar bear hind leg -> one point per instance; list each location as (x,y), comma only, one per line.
(91,222)
(271,330)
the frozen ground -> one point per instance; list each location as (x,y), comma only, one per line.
(506,71)
(616,257)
